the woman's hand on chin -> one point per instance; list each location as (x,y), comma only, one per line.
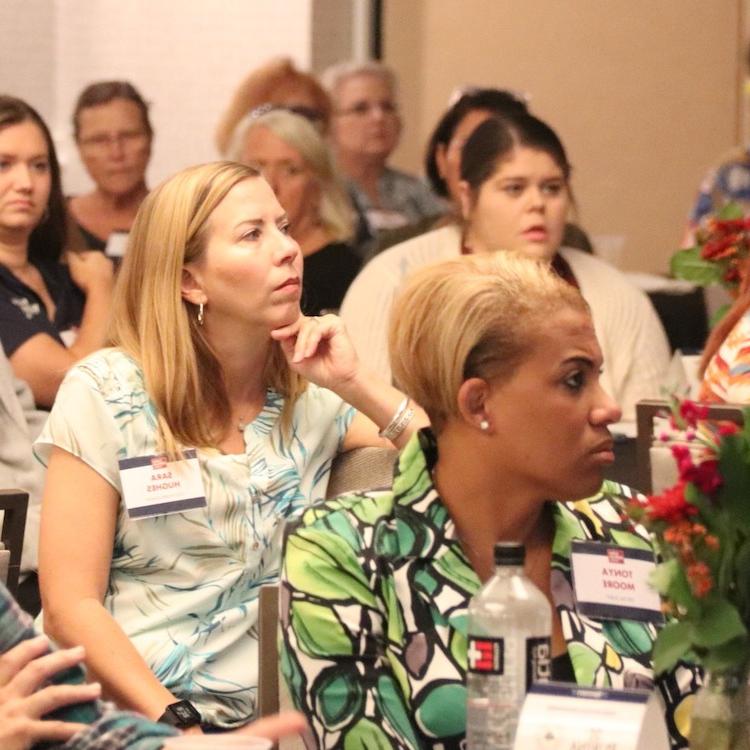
(320,350)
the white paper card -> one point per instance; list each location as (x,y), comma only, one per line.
(153,486)
(117,244)
(557,716)
(612,582)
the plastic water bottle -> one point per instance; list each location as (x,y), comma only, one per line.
(509,629)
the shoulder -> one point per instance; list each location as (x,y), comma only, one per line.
(106,370)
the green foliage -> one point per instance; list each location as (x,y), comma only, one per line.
(690,266)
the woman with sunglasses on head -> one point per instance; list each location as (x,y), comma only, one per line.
(503,356)
(51,314)
(179,452)
(515,196)
(296,162)
(113,133)
(278,83)
(365,130)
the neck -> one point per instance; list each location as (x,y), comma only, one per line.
(473,486)
(123,202)
(242,356)
(365,171)
(14,249)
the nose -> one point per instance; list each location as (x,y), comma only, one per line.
(606,410)
(287,248)
(22,177)
(536,199)
(271,176)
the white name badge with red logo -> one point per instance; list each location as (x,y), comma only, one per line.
(612,583)
(558,716)
(154,486)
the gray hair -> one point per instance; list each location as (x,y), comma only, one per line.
(336,211)
(335,75)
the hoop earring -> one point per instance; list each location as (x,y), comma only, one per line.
(201,317)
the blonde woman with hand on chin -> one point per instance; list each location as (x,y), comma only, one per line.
(180,452)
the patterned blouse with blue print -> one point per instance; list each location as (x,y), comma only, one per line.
(184,587)
(375,589)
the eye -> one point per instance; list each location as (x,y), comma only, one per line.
(5,164)
(553,188)
(252,235)
(41,166)
(574,381)
(293,170)
(513,189)
(284,227)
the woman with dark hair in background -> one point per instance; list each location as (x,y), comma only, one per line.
(114,135)
(51,314)
(515,196)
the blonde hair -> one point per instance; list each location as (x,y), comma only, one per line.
(153,323)
(473,316)
(335,211)
(270,84)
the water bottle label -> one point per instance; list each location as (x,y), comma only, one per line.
(486,655)
(538,661)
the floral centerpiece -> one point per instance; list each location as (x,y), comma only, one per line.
(721,254)
(701,526)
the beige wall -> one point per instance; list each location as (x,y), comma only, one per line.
(644,93)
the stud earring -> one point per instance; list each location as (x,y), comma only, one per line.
(201,317)
(484,425)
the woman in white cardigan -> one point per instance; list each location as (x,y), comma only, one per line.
(515,196)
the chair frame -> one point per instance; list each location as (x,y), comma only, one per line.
(647,409)
(15,504)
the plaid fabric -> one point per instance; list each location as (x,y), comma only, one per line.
(108,729)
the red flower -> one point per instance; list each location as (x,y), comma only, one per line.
(728,428)
(699,576)
(705,476)
(692,412)
(671,506)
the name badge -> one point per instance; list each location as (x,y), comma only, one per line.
(612,583)
(558,716)
(154,486)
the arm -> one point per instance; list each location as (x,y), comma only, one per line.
(320,350)
(41,361)
(80,504)
(332,652)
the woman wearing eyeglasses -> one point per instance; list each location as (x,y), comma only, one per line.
(51,314)
(114,135)
(365,130)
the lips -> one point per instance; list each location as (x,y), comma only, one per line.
(605,451)
(291,283)
(536,233)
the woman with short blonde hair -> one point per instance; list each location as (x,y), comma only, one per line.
(179,452)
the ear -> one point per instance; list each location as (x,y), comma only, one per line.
(191,289)
(466,198)
(441,159)
(472,403)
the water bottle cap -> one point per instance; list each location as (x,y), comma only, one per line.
(509,553)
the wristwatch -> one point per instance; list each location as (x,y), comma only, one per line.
(182,715)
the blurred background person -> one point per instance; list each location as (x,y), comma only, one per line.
(114,135)
(514,192)
(295,160)
(279,84)
(51,314)
(365,130)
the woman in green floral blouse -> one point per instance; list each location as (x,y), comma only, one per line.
(503,357)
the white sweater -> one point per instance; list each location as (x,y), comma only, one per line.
(635,348)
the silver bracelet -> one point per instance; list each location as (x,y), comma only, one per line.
(404,414)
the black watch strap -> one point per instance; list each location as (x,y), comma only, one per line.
(182,715)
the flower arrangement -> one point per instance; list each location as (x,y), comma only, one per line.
(701,526)
(721,253)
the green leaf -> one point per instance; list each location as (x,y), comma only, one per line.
(730,210)
(668,578)
(718,314)
(728,656)
(734,466)
(719,624)
(671,645)
(689,265)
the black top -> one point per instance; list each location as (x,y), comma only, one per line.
(22,312)
(326,277)
(92,241)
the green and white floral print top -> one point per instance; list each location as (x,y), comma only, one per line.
(375,589)
(184,587)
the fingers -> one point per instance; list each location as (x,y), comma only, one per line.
(16,658)
(286,332)
(56,696)
(60,731)
(43,668)
(277,726)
